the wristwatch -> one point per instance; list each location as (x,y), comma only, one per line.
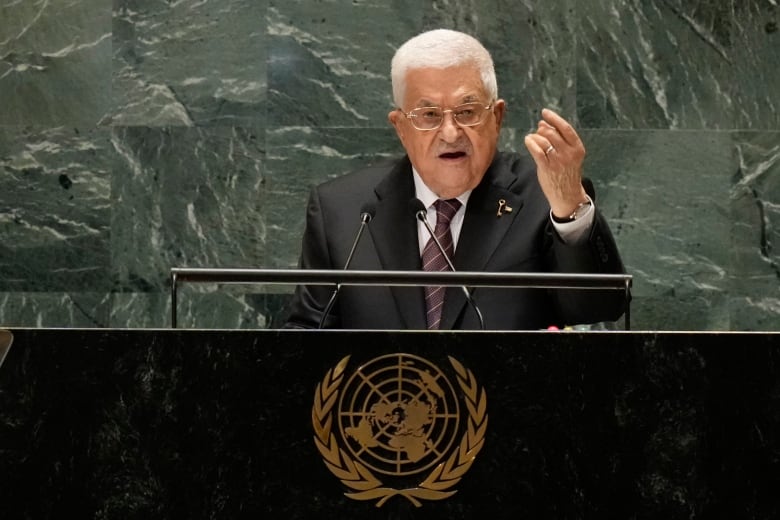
(579,211)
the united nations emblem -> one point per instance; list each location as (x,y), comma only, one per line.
(395,427)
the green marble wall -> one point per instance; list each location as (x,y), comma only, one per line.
(140,135)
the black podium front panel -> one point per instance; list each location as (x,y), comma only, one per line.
(336,424)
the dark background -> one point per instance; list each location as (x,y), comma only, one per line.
(218,424)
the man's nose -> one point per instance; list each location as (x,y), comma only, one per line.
(449,128)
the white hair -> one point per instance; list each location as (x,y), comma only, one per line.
(441,48)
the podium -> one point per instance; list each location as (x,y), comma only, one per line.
(378,424)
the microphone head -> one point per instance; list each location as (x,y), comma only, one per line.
(367,211)
(416,205)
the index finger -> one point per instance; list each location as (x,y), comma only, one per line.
(563,127)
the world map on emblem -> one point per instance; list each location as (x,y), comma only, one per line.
(398,414)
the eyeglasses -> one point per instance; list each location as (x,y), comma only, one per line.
(431,118)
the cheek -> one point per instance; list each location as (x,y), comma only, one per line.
(486,142)
(399,131)
(418,143)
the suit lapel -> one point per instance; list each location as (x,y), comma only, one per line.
(482,233)
(394,232)
(483,229)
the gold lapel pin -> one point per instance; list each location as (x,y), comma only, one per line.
(503,207)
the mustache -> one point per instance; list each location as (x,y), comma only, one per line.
(460,147)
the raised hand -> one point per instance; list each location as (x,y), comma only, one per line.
(559,154)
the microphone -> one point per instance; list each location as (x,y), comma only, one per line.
(422,215)
(366,214)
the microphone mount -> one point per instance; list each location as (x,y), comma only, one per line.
(366,214)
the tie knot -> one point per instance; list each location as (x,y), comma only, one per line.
(446,209)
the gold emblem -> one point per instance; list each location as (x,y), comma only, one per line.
(392,428)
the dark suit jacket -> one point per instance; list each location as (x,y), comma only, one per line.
(521,241)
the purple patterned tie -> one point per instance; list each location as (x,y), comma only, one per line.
(433,260)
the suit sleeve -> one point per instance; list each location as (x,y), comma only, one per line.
(598,255)
(309,301)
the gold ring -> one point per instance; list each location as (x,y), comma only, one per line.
(550,149)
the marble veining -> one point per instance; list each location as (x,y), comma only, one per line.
(136,136)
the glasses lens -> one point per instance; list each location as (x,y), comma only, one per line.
(426,118)
(469,114)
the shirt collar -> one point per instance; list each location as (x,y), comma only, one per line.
(428,197)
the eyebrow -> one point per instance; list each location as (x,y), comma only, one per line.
(471,98)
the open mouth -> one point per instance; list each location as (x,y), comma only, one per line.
(452,155)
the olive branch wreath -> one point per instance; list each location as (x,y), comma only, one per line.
(358,477)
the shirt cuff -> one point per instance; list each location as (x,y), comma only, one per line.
(576,231)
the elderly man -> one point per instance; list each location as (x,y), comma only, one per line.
(489,210)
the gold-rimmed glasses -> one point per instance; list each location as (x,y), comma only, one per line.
(431,118)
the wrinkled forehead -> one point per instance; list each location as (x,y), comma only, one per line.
(427,86)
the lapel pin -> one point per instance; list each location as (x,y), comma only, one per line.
(503,207)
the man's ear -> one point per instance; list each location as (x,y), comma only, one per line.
(396,118)
(499,109)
